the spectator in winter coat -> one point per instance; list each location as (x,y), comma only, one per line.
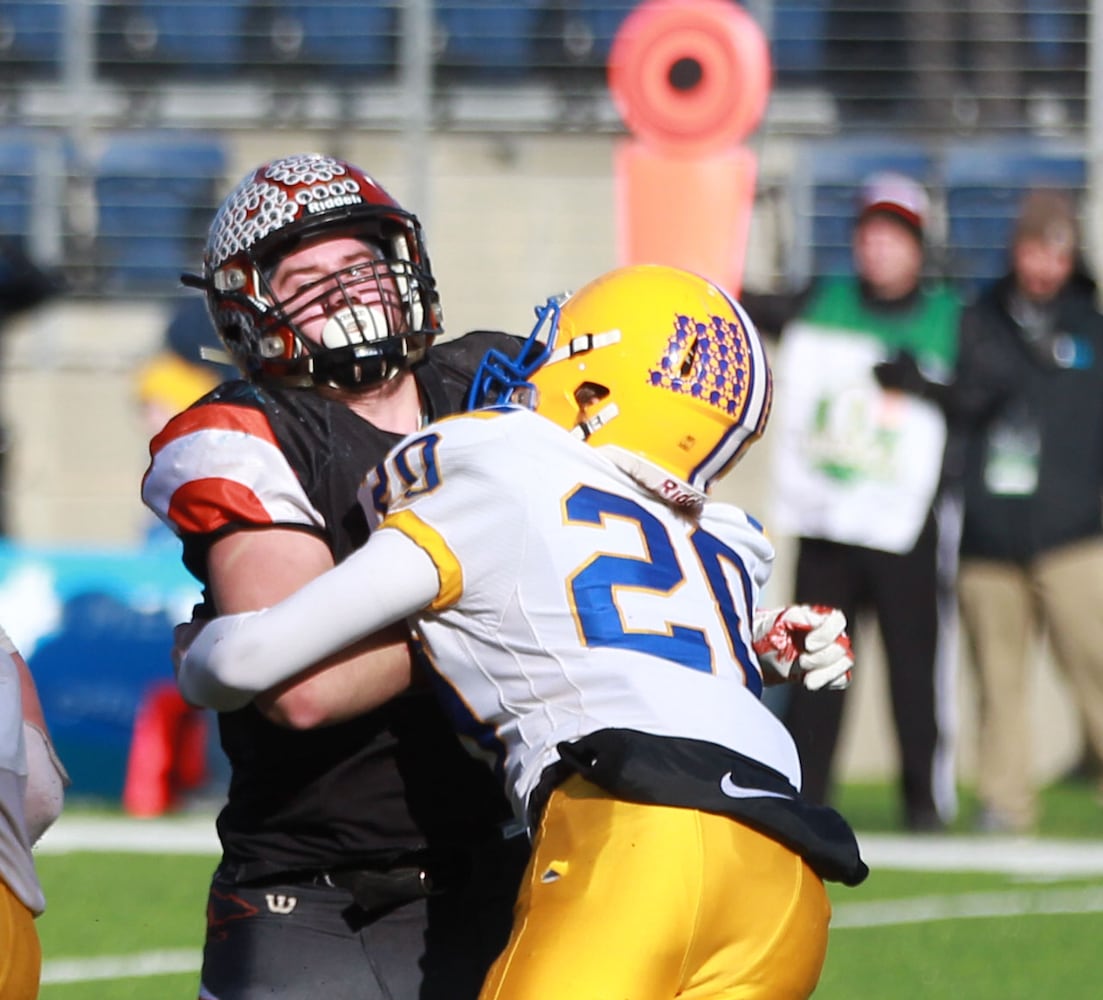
(1029,402)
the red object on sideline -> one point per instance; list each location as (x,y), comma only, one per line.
(167,752)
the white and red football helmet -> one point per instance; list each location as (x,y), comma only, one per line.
(274,210)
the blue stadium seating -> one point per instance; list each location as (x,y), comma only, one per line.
(984,183)
(155,193)
(32,36)
(574,37)
(827,182)
(797,39)
(485,39)
(1054,31)
(147,40)
(17,178)
(352,39)
(201,36)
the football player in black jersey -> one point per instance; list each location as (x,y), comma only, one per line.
(365,854)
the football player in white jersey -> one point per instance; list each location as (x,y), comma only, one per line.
(590,615)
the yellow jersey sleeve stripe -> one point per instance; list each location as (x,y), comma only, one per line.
(434,545)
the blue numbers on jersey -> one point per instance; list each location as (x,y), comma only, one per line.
(714,555)
(594,586)
(416,465)
(413,471)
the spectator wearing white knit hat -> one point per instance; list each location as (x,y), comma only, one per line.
(859,440)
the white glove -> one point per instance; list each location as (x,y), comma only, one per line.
(806,644)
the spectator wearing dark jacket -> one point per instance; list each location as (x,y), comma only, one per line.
(1029,439)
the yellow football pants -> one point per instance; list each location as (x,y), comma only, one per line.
(634,902)
(20,952)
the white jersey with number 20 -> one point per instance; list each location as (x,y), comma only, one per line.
(571,599)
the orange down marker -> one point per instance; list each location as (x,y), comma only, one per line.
(691,79)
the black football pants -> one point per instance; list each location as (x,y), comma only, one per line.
(302,941)
(902,592)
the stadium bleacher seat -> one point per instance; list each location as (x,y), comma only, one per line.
(155,195)
(35,165)
(797,39)
(984,183)
(32,36)
(142,41)
(825,188)
(1054,31)
(573,38)
(350,39)
(484,39)
(17,174)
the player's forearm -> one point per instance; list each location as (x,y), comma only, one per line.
(356,681)
(237,656)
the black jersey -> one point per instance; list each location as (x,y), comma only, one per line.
(395,778)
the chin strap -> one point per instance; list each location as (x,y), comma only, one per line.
(654,479)
(359,366)
(593,424)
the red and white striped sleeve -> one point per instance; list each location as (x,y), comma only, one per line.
(217,465)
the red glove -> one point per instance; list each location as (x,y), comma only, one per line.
(806,644)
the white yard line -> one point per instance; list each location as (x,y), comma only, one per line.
(149,963)
(1023,856)
(102,834)
(970,905)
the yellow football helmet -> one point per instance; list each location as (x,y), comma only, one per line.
(658,365)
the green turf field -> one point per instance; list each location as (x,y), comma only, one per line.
(957,916)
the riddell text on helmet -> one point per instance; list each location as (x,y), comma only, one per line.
(324,206)
(675,494)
